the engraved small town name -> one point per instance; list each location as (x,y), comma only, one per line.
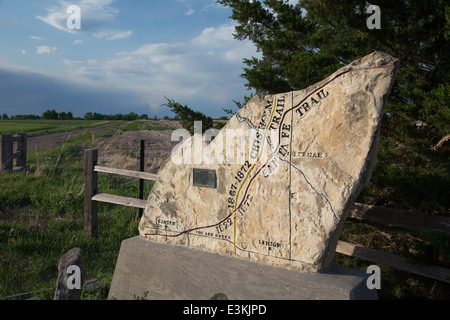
(268,243)
(308,154)
(212,235)
(166,222)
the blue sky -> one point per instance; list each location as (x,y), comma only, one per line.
(127,56)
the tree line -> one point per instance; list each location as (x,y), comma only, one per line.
(182,113)
(54,115)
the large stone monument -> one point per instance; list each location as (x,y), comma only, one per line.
(276,183)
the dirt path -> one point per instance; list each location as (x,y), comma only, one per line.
(121,149)
(50,140)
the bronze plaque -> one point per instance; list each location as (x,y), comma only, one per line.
(205,178)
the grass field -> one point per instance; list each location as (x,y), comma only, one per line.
(41,218)
(40,127)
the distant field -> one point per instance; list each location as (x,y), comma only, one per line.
(40,127)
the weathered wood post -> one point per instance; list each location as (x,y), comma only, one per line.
(7,152)
(22,148)
(141,181)
(90,189)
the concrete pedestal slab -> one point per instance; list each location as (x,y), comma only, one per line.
(169,272)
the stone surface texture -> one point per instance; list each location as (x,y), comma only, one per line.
(288,166)
(71,258)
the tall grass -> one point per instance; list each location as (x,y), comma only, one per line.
(145,125)
(41,218)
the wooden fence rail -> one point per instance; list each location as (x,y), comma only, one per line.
(92,196)
(387,216)
(8,154)
(400,218)
(392,260)
(397,218)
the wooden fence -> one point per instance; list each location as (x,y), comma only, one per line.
(8,154)
(92,196)
(397,218)
(387,216)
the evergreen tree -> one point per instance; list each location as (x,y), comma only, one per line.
(302,44)
(187,116)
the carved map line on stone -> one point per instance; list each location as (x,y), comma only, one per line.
(268,211)
(273,154)
(292,165)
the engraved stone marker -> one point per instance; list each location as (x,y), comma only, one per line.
(287,167)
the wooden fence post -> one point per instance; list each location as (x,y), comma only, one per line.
(90,189)
(22,147)
(141,181)
(7,152)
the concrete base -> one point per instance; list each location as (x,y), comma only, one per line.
(170,272)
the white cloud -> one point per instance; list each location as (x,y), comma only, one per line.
(56,20)
(36,38)
(94,14)
(45,50)
(78,41)
(214,5)
(222,40)
(216,37)
(113,34)
(23,52)
(237,54)
(206,68)
(189,12)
